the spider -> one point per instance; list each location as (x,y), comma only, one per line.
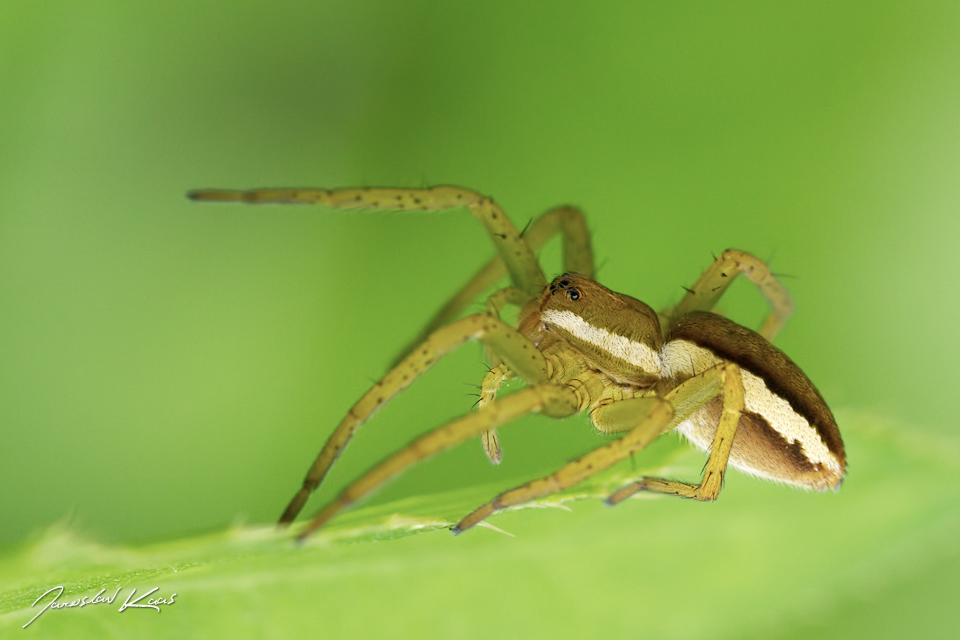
(581,347)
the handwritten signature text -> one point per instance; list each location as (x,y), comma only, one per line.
(129,603)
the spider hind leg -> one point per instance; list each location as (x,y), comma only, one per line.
(643,418)
(712,481)
(713,283)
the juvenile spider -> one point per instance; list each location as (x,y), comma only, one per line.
(582,347)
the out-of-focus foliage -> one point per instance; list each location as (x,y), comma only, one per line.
(168,368)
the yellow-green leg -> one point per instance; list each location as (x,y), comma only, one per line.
(712,480)
(518,352)
(645,418)
(703,296)
(495,304)
(519,260)
(509,295)
(569,222)
(577,257)
(550,399)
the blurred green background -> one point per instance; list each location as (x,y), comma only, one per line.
(169,367)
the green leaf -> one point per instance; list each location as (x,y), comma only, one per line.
(877,559)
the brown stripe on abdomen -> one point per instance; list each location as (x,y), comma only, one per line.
(737,344)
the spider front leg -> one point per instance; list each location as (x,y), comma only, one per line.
(521,355)
(550,399)
(577,258)
(516,255)
(509,295)
(712,481)
(712,284)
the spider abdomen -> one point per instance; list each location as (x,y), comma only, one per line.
(786,431)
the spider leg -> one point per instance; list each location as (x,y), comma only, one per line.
(521,355)
(577,247)
(703,296)
(712,480)
(569,222)
(577,257)
(645,418)
(550,399)
(503,297)
(516,255)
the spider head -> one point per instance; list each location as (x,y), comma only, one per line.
(601,307)
(616,332)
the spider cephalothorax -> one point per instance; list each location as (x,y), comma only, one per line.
(582,347)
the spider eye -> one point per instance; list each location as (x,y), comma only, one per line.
(573,294)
